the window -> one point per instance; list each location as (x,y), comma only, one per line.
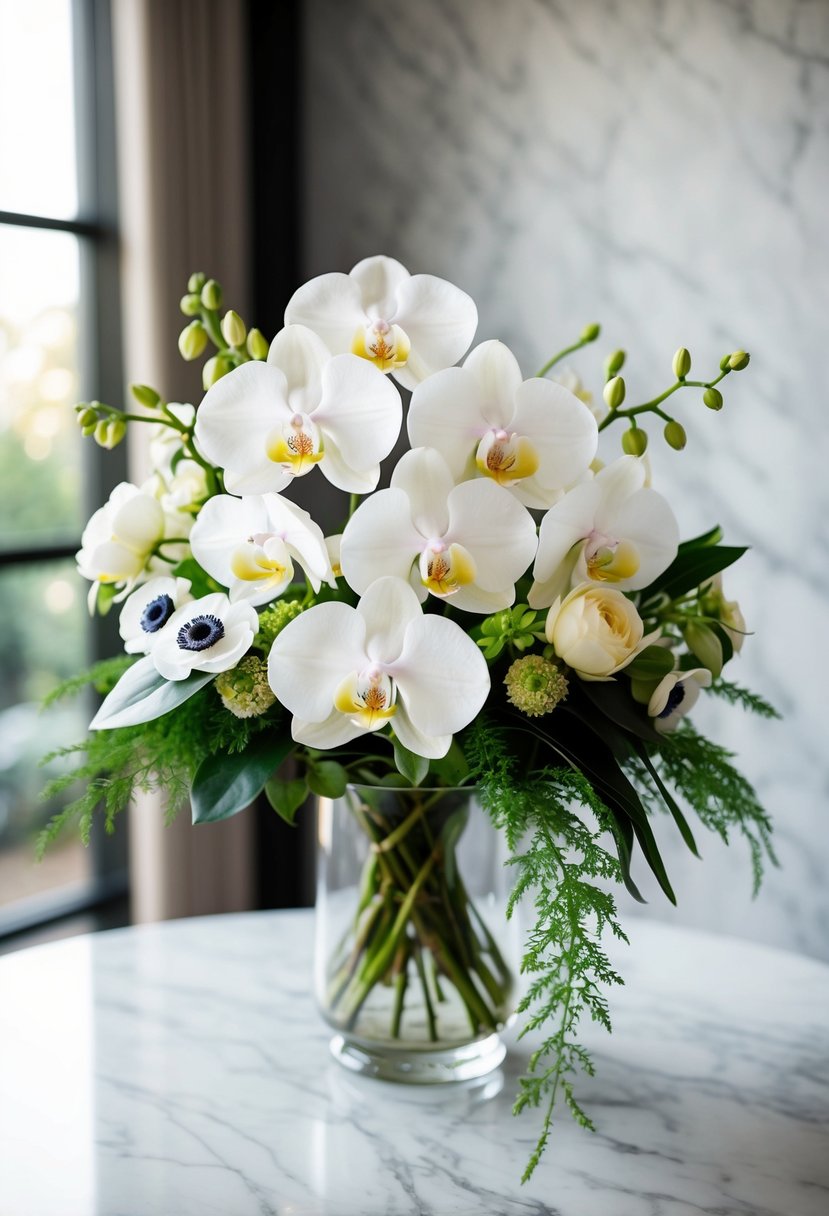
(59,343)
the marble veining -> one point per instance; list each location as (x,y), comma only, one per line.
(181,1068)
(663,167)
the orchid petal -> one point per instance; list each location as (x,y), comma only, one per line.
(379,539)
(564,433)
(648,522)
(302,536)
(617,482)
(440,321)
(333,731)
(442,677)
(222,525)
(331,306)
(424,476)
(300,355)
(388,607)
(360,409)
(445,413)
(433,747)
(498,375)
(341,475)
(498,532)
(234,420)
(311,656)
(379,280)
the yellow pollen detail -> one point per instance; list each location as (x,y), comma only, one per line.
(445,573)
(251,564)
(387,351)
(367,706)
(297,452)
(508,462)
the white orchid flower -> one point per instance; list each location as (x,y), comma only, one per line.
(118,542)
(612,529)
(675,695)
(344,672)
(250,545)
(333,546)
(531,436)
(411,325)
(209,634)
(165,440)
(470,542)
(147,611)
(266,423)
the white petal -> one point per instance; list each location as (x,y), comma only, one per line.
(570,520)
(360,409)
(617,481)
(498,532)
(223,524)
(333,731)
(442,677)
(341,474)
(388,607)
(302,536)
(234,422)
(563,431)
(313,654)
(300,355)
(446,413)
(498,374)
(330,305)
(648,522)
(472,598)
(424,476)
(379,539)
(379,280)
(440,321)
(433,747)
(139,523)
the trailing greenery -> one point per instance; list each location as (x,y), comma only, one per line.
(734,694)
(102,676)
(560,862)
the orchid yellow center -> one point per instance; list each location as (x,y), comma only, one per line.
(297,445)
(367,698)
(506,458)
(262,558)
(610,561)
(444,569)
(384,345)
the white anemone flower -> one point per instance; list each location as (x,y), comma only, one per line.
(612,529)
(250,545)
(266,423)
(209,634)
(469,542)
(675,695)
(531,436)
(147,611)
(410,325)
(118,542)
(343,672)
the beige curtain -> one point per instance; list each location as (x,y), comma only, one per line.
(180,82)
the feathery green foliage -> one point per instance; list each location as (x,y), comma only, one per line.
(101,676)
(734,694)
(559,859)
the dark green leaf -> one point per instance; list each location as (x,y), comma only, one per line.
(452,769)
(693,568)
(669,800)
(286,797)
(652,663)
(200,583)
(327,779)
(226,784)
(712,537)
(615,701)
(411,766)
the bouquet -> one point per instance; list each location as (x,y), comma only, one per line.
(510,612)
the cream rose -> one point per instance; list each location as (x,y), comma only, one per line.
(596,631)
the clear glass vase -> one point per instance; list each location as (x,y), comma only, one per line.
(416,962)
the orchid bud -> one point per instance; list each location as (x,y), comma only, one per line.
(634,441)
(705,644)
(614,392)
(214,369)
(234,330)
(614,364)
(196,281)
(190,304)
(145,396)
(724,363)
(675,436)
(87,417)
(257,344)
(682,363)
(211,295)
(738,360)
(590,333)
(109,432)
(192,340)
(713,398)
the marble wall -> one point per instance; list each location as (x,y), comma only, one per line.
(660,166)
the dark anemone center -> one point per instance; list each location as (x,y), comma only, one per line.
(675,698)
(200,633)
(157,613)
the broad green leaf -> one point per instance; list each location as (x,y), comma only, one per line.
(451,768)
(692,569)
(712,537)
(286,797)
(614,700)
(327,779)
(141,695)
(652,663)
(226,784)
(200,582)
(411,766)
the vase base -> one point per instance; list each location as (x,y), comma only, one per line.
(463,1063)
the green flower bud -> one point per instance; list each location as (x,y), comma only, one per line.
(234,330)
(590,333)
(89,428)
(724,362)
(738,360)
(245,690)
(535,685)
(257,344)
(705,644)
(109,432)
(196,281)
(634,441)
(675,436)
(145,396)
(211,295)
(87,417)
(713,398)
(190,304)
(682,363)
(614,392)
(192,340)
(214,369)
(614,364)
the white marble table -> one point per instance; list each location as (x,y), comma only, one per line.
(181,1068)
